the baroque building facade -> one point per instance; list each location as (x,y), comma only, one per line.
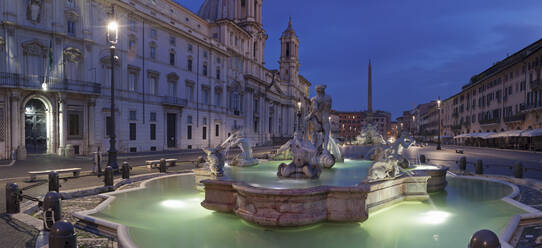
(183,80)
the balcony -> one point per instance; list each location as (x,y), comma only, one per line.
(34,82)
(455,115)
(489,121)
(456,127)
(173,101)
(514,118)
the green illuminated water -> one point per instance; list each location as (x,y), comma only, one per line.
(168,214)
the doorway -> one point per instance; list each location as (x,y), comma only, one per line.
(35,126)
(171,130)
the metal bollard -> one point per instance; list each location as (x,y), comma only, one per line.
(125,169)
(163,166)
(52,209)
(484,239)
(13,198)
(108,176)
(479,167)
(54,184)
(62,235)
(463,163)
(422,159)
(518,170)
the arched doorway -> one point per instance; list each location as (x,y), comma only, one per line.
(35,126)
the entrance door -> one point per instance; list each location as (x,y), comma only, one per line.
(171,130)
(35,127)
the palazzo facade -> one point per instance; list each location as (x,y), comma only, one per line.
(183,80)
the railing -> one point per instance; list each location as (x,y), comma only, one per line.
(518,117)
(489,121)
(16,80)
(174,101)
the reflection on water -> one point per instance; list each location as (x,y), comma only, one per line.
(349,173)
(168,214)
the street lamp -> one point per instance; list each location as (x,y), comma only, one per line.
(112,39)
(438,108)
(298,128)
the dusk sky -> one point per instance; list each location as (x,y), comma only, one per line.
(419,49)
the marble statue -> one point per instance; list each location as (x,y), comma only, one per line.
(369,136)
(245,158)
(389,162)
(215,160)
(33,11)
(310,154)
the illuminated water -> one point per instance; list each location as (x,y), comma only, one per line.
(168,214)
(349,173)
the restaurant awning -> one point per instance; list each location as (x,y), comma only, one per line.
(510,133)
(532,133)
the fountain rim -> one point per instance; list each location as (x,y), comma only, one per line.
(124,239)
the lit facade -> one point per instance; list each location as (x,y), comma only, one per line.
(183,80)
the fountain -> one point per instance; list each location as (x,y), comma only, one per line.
(366,143)
(387,196)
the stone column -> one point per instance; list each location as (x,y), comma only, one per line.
(17,127)
(62,125)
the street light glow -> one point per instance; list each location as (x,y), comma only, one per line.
(112,27)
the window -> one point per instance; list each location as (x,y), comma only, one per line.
(172,89)
(205,54)
(190,47)
(189,63)
(71,27)
(153,116)
(205,95)
(132,44)
(153,131)
(152,85)
(132,24)
(133,115)
(189,120)
(217,130)
(153,52)
(190,92)
(133,131)
(189,132)
(205,69)
(172,40)
(256,121)
(204,133)
(132,81)
(75,124)
(172,58)
(218,73)
(70,3)
(218,99)
(153,33)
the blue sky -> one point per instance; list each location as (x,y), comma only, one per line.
(420,49)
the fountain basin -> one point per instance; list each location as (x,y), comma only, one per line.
(437,181)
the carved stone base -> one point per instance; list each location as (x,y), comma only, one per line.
(203,174)
(244,162)
(293,171)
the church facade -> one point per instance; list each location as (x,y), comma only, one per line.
(183,80)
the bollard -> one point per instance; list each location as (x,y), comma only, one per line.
(52,209)
(422,159)
(518,170)
(463,163)
(54,184)
(108,176)
(163,166)
(62,235)
(13,198)
(484,239)
(479,167)
(98,163)
(125,169)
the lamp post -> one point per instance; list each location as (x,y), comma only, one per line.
(438,108)
(412,126)
(298,125)
(112,39)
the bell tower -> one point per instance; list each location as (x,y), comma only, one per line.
(289,57)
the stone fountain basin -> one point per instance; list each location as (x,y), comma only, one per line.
(437,181)
(305,206)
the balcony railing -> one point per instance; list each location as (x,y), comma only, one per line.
(489,121)
(174,101)
(518,117)
(15,80)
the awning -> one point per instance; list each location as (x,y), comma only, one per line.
(532,133)
(475,135)
(510,133)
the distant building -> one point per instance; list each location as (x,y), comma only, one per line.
(350,123)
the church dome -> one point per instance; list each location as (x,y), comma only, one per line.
(212,10)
